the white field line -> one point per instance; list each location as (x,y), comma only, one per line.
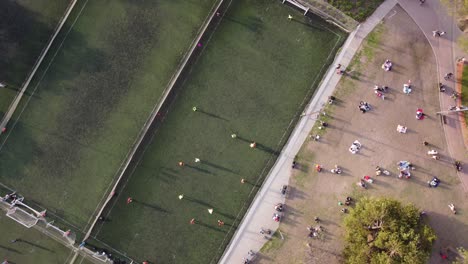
(150,120)
(15,103)
(258,195)
(154,132)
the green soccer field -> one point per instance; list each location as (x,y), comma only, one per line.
(25,28)
(253,78)
(19,244)
(90,98)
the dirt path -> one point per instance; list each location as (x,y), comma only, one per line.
(318,194)
(433,16)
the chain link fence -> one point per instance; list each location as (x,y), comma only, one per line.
(327,12)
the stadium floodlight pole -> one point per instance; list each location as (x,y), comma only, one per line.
(460,109)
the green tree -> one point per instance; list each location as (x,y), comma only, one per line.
(382,230)
(462,256)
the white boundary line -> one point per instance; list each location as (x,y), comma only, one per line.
(15,103)
(303,127)
(151,119)
(139,138)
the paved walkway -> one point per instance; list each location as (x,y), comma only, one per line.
(429,17)
(259,215)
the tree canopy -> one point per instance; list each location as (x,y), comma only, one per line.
(382,230)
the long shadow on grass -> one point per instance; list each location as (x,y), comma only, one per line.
(260,146)
(218,166)
(212,115)
(211,227)
(11,249)
(36,245)
(198,169)
(252,23)
(23,35)
(37,152)
(208,205)
(198,201)
(308,25)
(152,206)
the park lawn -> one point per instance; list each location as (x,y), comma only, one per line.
(464,94)
(32,245)
(91,97)
(252,79)
(25,28)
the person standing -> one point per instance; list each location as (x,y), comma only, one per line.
(129,200)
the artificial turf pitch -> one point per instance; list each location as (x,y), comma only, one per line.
(25,28)
(252,79)
(91,96)
(19,244)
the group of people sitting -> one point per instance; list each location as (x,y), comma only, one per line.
(364,106)
(407,89)
(279,207)
(419,114)
(438,33)
(362,184)
(401,129)
(314,231)
(387,66)
(434,182)
(355,147)
(404,173)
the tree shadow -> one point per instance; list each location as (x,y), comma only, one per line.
(24,35)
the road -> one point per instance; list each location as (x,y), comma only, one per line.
(429,17)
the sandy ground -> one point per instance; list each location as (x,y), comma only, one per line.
(317,194)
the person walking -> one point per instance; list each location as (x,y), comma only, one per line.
(448,76)
(438,33)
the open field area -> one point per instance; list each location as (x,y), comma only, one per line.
(317,194)
(19,244)
(90,98)
(252,78)
(25,28)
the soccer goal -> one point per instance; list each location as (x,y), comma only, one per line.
(67,236)
(21,216)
